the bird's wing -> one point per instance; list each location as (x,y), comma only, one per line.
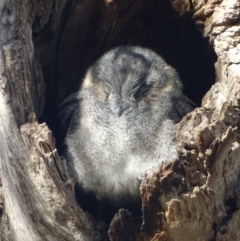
(66,110)
(182,105)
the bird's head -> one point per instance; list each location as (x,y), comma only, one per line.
(131,78)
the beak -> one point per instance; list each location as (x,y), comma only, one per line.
(119,107)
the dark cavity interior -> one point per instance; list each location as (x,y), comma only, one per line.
(87,29)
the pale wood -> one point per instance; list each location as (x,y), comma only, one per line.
(204,203)
(37,203)
(193,198)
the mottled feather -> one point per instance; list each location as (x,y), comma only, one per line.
(124,121)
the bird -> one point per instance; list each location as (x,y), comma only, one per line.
(122,121)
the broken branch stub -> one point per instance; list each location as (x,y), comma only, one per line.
(51,200)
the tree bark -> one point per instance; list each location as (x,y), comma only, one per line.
(199,196)
(193,198)
(37,205)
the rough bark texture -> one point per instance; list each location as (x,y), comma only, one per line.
(45,48)
(37,205)
(199,201)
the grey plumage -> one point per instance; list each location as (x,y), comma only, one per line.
(123,121)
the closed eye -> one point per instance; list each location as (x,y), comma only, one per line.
(142,91)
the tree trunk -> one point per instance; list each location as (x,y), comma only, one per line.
(45,48)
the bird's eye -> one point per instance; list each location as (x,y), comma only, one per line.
(142,91)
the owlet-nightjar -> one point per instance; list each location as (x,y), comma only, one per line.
(123,122)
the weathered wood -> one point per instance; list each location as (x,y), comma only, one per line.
(37,203)
(199,200)
(193,198)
